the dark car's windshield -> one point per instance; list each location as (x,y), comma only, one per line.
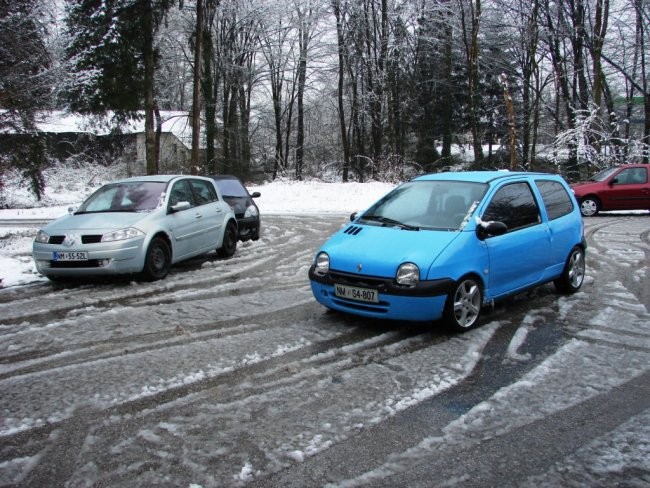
(132,196)
(231,188)
(426,205)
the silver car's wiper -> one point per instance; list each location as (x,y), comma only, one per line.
(388,221)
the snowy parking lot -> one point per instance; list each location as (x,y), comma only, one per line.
(228,373)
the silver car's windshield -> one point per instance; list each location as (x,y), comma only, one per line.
(132,196)
(438,205)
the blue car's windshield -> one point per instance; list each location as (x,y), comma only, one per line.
(438,205)
(132,196)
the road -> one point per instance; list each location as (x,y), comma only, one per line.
(228,373)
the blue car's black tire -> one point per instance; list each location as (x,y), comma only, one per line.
(158,260)
(573,274)
(229,245)
(463,307)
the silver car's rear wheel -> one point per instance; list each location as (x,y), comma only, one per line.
(229,245)
(463,307)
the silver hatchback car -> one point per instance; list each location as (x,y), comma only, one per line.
(139,225)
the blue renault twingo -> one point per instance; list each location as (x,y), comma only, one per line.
(443,245)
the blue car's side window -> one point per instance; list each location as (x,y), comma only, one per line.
(556,199)
(514,205)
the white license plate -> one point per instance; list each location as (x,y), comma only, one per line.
(69,256)
(354,293)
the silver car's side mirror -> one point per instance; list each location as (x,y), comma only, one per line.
(180,206)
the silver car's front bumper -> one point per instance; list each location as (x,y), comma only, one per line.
(117,257)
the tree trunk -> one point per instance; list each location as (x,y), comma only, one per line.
(303,35)
(148,55)
(196,93)
(336,4)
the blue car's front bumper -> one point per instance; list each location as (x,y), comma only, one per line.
(424,302)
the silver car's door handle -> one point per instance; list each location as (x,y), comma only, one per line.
(198,216)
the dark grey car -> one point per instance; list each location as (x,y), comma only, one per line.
(241,201)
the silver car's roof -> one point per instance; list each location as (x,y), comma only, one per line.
(158,178)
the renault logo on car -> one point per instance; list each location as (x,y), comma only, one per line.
(69,240)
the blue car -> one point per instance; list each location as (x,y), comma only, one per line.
(444,245)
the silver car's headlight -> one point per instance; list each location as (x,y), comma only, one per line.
(42,237)
(251,212)
(122,234)
(408,274)
(322,263)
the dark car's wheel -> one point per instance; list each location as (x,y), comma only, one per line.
(463,306)
(574,272)
(229,245)
(589,206)
(158,260)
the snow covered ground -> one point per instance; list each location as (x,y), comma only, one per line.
(227,372)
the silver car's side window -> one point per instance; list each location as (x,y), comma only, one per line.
(181,192)
(204,192)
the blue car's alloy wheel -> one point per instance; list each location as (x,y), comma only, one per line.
(463,307)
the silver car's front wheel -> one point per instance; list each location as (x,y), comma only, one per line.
(157,261)
(463,307)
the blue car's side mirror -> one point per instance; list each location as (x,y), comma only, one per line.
(489,229)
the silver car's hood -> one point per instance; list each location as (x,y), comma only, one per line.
(97,223)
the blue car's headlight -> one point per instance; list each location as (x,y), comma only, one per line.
(122,234)
(408,274)
(322,263)
(42,237)
(251,212)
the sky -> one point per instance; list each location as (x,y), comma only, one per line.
(278,197)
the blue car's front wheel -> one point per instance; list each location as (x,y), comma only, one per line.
(463,307)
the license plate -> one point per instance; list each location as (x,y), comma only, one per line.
(69,256)
(354,293)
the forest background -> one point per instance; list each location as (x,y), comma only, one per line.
(343,89)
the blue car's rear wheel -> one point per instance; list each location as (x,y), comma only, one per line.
(463,307)
(574,272)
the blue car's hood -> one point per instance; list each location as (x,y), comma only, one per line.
(95,223)
(379,251)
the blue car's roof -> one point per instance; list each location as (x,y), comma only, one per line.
(473,176)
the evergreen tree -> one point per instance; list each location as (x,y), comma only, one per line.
(25,83)
(112,58)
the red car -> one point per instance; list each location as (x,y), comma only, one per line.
(624,187)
